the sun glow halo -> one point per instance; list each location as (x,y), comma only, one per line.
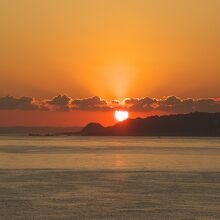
(121,115)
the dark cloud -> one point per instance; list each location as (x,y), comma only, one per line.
(131,101)
(60,100)
(170,104)
(143,104)
(207,105)
(12,103)
(170,100)
(90,104)
(174,104)
(185,105)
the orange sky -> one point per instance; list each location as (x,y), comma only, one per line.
(113,48)
(78,118)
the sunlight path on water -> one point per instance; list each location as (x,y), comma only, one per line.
(110,153)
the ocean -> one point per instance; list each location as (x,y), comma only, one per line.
(109,178)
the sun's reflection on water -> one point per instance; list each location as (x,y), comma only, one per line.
(119,161)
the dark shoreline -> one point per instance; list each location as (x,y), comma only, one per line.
(193,124)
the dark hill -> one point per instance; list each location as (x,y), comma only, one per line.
(192,124)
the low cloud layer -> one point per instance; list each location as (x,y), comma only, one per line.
(90,104)
(170,104)
(60,100)
(23,103)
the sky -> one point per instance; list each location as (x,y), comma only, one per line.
(114,50)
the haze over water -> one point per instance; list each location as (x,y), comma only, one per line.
(110,153)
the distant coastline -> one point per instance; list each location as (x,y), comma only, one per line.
(40,131)
(196,124)
(192,124)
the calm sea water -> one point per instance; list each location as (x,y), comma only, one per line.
(109,178)
(110,153)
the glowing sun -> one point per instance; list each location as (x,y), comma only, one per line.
(121,115)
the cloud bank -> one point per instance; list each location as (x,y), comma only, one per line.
(23,103)
(170,104)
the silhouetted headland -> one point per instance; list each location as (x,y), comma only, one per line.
(192,124)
